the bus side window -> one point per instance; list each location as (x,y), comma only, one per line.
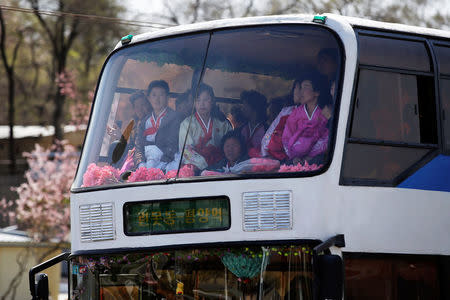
(394,113)
(445,101)
(443,58)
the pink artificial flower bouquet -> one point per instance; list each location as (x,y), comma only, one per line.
(299,168)
(96,175)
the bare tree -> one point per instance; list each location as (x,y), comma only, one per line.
(202,10)
(61,33)
(10,74)
(413,12)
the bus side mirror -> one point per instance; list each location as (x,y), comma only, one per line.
(41,286)
(330,276)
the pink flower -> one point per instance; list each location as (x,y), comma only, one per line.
(96,175)
(186,171)
(144,174)
(171,174)
(42,206)
(299,168)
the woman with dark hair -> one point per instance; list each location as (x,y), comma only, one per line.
(255,110)
(200,134)
(158,133)
(272,143)
(327,64)
(237,117)
(305,134)
(234,151)
(184,104)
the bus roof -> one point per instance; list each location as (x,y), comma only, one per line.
(395,27)
(286,19)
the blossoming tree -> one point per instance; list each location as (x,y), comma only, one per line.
(42,207)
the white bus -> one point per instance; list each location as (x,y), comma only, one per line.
(281,157)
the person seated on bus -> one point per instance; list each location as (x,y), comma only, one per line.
(255,110)
(200,135)
(272,143)
(327,65)
(184,104)
(234,151)
(141,108)
(276,105)
(237,117)
(305,133)
(157,135)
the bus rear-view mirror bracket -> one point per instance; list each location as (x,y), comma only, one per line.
(39,284)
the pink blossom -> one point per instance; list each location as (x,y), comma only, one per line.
(96,175)
(66,84)
(144,174)
(42,206)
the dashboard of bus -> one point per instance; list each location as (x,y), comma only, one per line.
(251,101)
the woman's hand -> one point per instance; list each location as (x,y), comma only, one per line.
(326,112)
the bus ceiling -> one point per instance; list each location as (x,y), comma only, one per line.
(245,59)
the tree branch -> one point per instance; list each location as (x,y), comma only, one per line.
(195,8)
(73,34)
(8,68)
(21,260)
(16,49)
(173,16)
(287,8)
(35,7)
(248,9)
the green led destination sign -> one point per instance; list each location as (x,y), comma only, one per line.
(171,216)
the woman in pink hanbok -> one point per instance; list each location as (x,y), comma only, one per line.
(305,134)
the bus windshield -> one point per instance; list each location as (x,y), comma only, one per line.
(253,272)
(257,100)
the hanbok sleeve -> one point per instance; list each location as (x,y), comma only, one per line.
(301,134)
(267,136)
(271,143)
(321,145)
(255,143)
